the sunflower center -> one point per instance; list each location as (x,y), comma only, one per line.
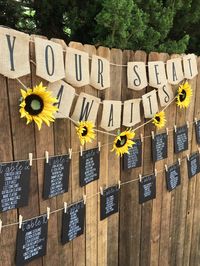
(182,96)
(34,104)
(157,118)
(120,143)
(85,131)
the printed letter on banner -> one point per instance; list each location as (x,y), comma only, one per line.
(190,66)
(157,74)
(100,73)
(65,95)
(165,94)
(77,67)
(111,116)
(86,108)
(150,104)
(174,71)
(14,55)
(49,60)
(131,112)
(136,75)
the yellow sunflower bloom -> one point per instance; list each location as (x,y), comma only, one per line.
(184,95)
(38,105)
(85,131)
(123,142)
(159,119)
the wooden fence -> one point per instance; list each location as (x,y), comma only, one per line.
(164,231)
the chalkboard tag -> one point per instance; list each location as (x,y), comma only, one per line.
(159,147)
(14,185)
(134,158)
(197,130)
(89,166)
(73,221)
(193,164)
(181,139)
(31,240)
(109,201)
(173,176)
(147,188)
(56,172)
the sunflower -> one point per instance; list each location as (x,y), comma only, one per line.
(38,105)
(159,119)
(184,95)
(123,142)
(85,131)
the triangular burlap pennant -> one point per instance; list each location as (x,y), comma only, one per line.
(86,108)
(165,94)
(157,74)
(150,104)
(174,71)
(136,75)
(100,73)
(77,67)
(65,95)
(49,60)
(190,66)
(131,112)
(111,116)
(14,55)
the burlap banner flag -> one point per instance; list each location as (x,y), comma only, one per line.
(157,74)
(190,66)
(165,94)
(136,75)
(100,73)
(65,95)
(49,60)
(175,71)
(111,116)
(131,112)
(150,104)
(86,108)
(14,55)
(77,67)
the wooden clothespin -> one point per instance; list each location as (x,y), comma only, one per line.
(188,157)
(166,168)
(167,131)
(84,199)
(152,134)
(81,150)
(140,177)
(0,225)
(179,161)
(30,155)
(155,172)
(101,190)
(99,146)
(70,153)
(65,207)
(20,221)
(175,128)
(48,213)
(47,156)
(119,184)
(141,137)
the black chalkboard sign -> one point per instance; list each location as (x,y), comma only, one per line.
(56,176)
(197,130)
(159,147)
(109,202)
(14,185)
(147,188)
(181,139)
(193,164)
(173,176)
(31,240)
(134,158)
(73,222)
(89,166)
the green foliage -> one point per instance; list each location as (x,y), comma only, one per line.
(155,25)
